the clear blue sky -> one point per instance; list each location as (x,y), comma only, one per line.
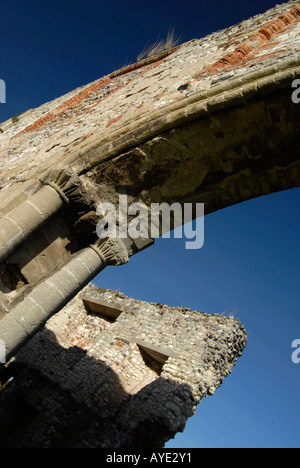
(250,259)
(248,267)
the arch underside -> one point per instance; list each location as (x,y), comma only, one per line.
(230,156)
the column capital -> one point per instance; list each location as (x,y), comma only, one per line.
(67,184)
(111,251)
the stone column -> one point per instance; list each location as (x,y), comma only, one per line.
(47,298)
(21,222)
(60,185)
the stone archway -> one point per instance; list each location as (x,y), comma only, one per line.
(211,121)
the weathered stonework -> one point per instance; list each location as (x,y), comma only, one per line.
(124,373)
(209,121)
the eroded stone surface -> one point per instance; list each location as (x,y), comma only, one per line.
(68,124)
(132,381)
(210,121)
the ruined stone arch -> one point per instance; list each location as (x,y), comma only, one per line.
(210,121)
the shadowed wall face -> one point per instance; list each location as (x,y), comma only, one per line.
(137,372)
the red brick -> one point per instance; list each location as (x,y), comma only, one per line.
(264,34)
(113,121)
